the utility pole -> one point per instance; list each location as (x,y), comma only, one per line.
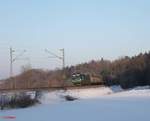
(12,60)
(62,58)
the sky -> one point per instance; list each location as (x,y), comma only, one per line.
(87,29)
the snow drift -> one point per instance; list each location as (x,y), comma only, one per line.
(89,93)
(93,93)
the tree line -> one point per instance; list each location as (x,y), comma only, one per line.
(126,71)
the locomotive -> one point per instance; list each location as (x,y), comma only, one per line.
(86,79)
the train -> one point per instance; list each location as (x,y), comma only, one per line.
(81,79)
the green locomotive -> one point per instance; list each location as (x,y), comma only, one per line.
(85,79)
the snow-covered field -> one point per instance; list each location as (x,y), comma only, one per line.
(95,104)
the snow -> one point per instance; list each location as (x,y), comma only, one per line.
(136,92)
(58,96)
(52,97)
(95,104)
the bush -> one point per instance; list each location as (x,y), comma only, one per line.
(21,100)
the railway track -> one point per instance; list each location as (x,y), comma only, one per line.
(49,88)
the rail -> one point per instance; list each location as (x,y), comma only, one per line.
(49,88)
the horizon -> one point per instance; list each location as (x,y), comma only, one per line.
(87,30)
(60,68)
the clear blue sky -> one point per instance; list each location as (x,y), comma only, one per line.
(87,29)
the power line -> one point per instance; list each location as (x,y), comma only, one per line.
(53,55)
